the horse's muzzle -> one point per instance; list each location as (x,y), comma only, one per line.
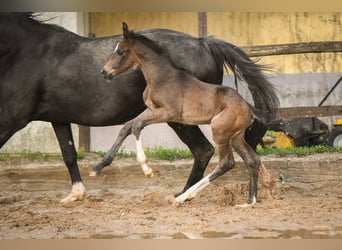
(106,75)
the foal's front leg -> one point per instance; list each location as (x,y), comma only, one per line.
(149,116)
(145,118)
(141,157)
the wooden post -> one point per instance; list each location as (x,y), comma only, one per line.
(84,137)
(293,48)
(309,111)
(202,24)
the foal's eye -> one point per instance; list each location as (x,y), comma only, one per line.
(120,52)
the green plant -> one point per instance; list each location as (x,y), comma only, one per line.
(81,154)
(163,153)
(270,134)
(30,155)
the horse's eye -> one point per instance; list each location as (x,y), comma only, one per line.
(120,52)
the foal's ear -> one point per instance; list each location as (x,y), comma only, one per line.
(125,30)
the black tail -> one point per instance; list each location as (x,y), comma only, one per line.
(262,90)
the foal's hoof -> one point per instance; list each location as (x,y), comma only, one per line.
(93,173)
(172,200)
(149,174)
(250,204)
(246,205)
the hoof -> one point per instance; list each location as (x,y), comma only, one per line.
(176,204)
(172,200)
(93,173)
(246,205)
(71,198)
(77,193)
(149,174)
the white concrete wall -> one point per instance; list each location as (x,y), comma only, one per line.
(39,136)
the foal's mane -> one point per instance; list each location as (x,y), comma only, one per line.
(155,47)
(149,43)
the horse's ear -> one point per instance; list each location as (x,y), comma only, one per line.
(125,30)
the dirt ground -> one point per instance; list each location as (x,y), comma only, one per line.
(122,203)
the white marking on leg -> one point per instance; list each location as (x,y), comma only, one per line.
(142,159)
(193,190)
(78,192)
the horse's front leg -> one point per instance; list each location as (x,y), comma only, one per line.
(64,136)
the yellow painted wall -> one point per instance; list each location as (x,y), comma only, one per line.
(245,29)
(105,24)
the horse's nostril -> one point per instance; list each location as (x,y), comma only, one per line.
(103,71)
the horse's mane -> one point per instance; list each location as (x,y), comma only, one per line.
(21,16)
(28,18)
(149,43)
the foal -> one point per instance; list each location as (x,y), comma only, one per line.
(172,95)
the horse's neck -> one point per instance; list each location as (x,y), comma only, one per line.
(154,66)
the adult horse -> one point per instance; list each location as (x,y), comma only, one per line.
(50,74)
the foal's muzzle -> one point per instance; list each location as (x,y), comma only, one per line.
(106,75)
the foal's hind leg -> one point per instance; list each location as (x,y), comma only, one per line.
(253,162)
(200,147)
(225,164)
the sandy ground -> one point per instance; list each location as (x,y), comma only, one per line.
(122,203)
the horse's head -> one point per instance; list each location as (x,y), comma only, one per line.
(122,57)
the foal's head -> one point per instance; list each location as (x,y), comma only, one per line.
(122,58)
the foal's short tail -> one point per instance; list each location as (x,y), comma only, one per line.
(263,92)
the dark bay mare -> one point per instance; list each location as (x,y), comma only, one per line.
(50,74)
(173,95)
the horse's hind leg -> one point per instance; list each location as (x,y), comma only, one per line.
(226,163)
(252,161)
(66,143)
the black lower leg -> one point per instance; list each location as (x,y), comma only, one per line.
(226,163)
(66,143)
(252,161)
(253,186)
(224,166)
